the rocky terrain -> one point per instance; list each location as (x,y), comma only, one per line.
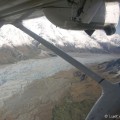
(111,67)
(50,88)
(62,96)
(59,97)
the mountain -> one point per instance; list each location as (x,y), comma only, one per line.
(16,45)
(74,41)
(111,67)
(110,44)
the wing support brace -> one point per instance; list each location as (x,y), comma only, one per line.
(109,101)
(62,54)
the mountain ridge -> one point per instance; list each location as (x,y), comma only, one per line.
(76,40)
(16,45)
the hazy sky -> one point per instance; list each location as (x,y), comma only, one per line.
(118,27)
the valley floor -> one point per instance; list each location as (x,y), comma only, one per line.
(48,89)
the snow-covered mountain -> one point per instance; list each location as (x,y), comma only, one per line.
(112,67)
(110,44)
(16,45)
(70,40)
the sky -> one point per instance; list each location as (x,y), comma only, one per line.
(118,28)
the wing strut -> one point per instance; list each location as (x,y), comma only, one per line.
(109,101)
(65,56)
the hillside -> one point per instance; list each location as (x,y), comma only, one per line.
(62,96)
(16,45)
(74,41)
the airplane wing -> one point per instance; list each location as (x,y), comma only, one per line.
(68,14)
(13,9)
(85,15)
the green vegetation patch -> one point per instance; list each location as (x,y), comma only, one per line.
(72,110)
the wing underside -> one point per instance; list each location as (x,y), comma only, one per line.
(68,14)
